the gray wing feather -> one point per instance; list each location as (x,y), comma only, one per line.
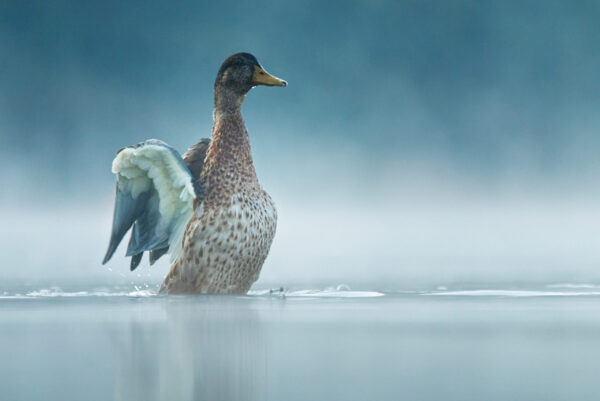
(126,212)
(135,261)
(145,235)
(155,254)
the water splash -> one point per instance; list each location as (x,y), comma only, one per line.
(339,291)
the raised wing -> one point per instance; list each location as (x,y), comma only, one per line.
(155,194)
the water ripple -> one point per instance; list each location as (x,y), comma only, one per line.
(514,293)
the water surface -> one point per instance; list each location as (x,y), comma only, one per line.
(124,344)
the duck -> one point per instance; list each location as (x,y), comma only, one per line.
(206,208)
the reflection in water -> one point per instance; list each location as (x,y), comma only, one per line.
(196,351)
(393,347)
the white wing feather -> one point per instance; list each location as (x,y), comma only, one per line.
(153,165)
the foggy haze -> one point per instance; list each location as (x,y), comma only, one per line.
(417,144)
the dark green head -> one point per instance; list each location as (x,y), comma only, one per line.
(241,72)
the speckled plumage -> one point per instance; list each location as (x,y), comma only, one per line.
(229,236)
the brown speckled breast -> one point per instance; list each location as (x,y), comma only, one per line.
(229,237)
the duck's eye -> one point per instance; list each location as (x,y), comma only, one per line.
(261,73)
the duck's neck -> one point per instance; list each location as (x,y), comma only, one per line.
(227,101)
(230,143)
(228,159)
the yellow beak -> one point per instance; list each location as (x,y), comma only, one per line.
(261,77)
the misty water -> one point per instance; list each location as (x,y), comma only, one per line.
(334,343)
(483,300)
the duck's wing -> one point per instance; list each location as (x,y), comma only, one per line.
(195,155)
(155,193)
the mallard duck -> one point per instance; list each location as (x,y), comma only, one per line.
(207,208)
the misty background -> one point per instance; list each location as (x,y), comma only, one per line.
(419,143)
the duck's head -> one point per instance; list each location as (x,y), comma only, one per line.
(241,72)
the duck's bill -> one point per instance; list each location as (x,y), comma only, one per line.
(261,77)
